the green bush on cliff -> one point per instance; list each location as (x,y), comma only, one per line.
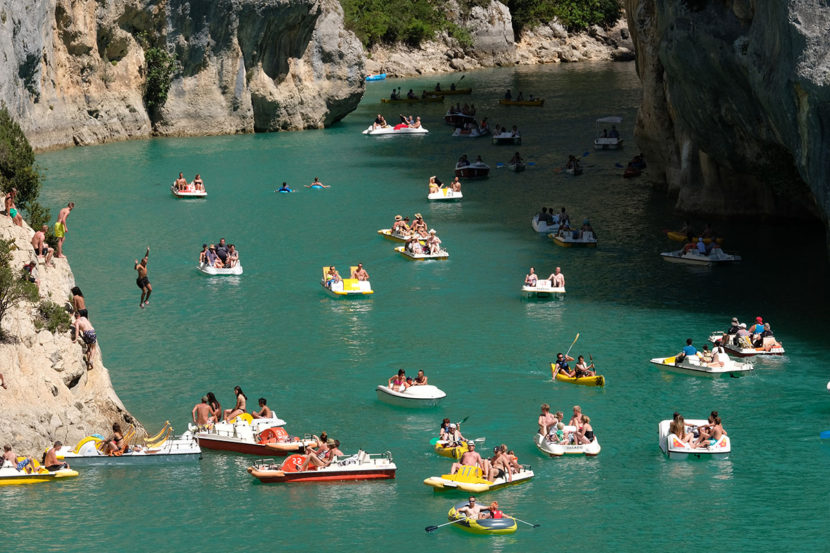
(18,170)
(53,317)
(13,289)
(160,65)
(576,15)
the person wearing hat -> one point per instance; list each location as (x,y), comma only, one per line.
(419,226)
(734,327)
(434,242)
(758,327)
(413,245)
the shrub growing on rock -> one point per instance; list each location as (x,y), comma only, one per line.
(18,170)
(13,289)
(53,317)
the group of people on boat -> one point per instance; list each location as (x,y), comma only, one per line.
(196,185)
(706,435)
(717,357)
(468,127)
(435,185)
(323,453)
(406,122)
(549,217)
(500,131)
(520,97)
(613,133)
(466,109)
(476,511)
(400,382)
(700,246)
(464,161)
(552,427)
(585,231)
(581,369)
(209,411)
(502,464)
(556,278)
(759,335)
(431,246)
(333,275)
(219,256)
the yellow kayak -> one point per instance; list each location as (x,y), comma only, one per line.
(452,452)
(680,237)
(597,380)
(506,102)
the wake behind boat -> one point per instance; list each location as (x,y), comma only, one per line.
(413,396)
(360,466)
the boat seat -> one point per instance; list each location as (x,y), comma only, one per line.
(362,457)
(543,284)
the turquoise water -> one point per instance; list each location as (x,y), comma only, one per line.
(275,333)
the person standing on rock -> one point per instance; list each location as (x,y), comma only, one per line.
(11,209)
(142,281)
(84,331)
(60,227)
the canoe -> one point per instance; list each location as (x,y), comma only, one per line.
(484,526)
(414,396)
(675,448)
(185,194)
(450,92)
(412,100)
(558,450)
(360,466)
(597,380)
(538,103)
(443,254)
(469,479)
(390,130)
(543,289)
(213,271)
(569,239)
(693,365)
(693,257)
(678,236)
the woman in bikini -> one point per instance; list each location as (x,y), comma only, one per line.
(585,435)
(239,408)
(397,383)
(215,407)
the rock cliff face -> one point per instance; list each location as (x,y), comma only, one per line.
(50,395)
(77,67)
(736,103)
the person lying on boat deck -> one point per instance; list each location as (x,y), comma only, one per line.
(181,182)
(397,383)
(50,459)
(556,278)
(10,460)
(546,420)
(463,161)
(613,133)
(379,122)
(411,94)
(233,256)
(581,369)
(239,408)
(413,246)
(332,276)
(115,442)
(688,350)
(420,379)
(360,273)
(470,458)
(585,435)
(201,413)
(420,226)
(198,183)
(507,95)
(434,243)
(284,188)
(562,365)
(264,412)
(531,278)
(456,185)
(213,259)
(471,510)
(517,159)
(324,459)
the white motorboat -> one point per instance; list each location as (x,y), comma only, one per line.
(225,271)
(558,450)
(474,132)
(414,396)
(507,137)
(189,192)
(572,238)
(442,254)
(543,226)
(445,195)
(474,170)
(694,257)
(164,448)
(692,364)
(248,435)
(607,142)
(742,347)
(543,289)
(675,448)
(390,130)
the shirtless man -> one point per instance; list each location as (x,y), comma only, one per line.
(181,182)
(142,281)
(557,279)
(470,458)
(10,458)
(360,273)
(264,411)
(84,331)
(11,209)
(471,509)
(546,420)
(51,460)
(60,227)
(421,379)
(500,466)
(456,185)
(201,413)
(41,247)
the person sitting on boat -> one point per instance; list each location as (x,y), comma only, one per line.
(10,460)
(215,407)
(710,434)
(516,159)
(456,185)
(562,365)
(417,123)
(531,278)
(585,435)
(742,338)
(520,97)
(507,95)
(582,369)
(284,188)
(181,182)
(239,408)
(757,328)
(380,122)
(397,383)
(483,126)
(546,420)
(411,94)
(701,246)
(434,243)
(463,161)
(50,459)
(394,94)
(115,444)
(264,412)
(360,273)
(719,356)
(586,227)
(332,277)
(471,510)
(198,184)
(499,466)
(419,226)
(515,132)
(321,443)
(451,433)
(706,355)
(233,256)
(613,133)
(470,458)
(433,186)
(557,279)
(479,161)
(325,459)
(688,351)
(421,379)
(213,259)
(556,434)
(413,246)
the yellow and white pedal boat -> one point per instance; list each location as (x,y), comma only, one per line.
(346,287)
(11,476)
(470,479)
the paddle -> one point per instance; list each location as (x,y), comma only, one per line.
(434,528)
(566,354)
(529,524)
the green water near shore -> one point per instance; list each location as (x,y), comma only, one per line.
(275,333)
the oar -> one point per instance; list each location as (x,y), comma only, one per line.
(434,528)
(459,80)
(529,524)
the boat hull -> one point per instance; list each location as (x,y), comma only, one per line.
(274,477)
(608,144)
(468,479)
(732,369)
(227,443)
(560,450)
(402,399)
(445,195)
(12,477)
(213,271)
(500,140)
(542,292)
(570,242)
(188,194)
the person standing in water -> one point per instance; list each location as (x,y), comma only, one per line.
(142,281)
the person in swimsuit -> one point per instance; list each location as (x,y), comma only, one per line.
(40,246)
(201,413)
(181,182)
(51,462)
(11,209)
(433,186)
(332,277)
(470,458)
(531,278)
(60,227)
(10,459)
(557,279)
(198,184)
(360,273)
(397,383)
(434,243)
(326,458)
(421,379)
(317,184)
(264,411)
(420,226)
(233,256)
(215,407)
(581,369)
(546,420)
(562,365)
(84,331)
(471,509)
(114,444)
(239,408)
(585,435)
(142,281)
(284,188)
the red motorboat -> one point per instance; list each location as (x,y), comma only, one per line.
(257,437)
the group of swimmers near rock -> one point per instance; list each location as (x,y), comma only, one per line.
(219,256)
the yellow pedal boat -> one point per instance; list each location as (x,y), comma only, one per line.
(10,476)
(469,479)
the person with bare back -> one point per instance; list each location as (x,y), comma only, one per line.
(142,281)
(60,227)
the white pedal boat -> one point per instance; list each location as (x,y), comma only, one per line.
(506,138)
(475,170)
(471,133)
(414,396)
(87,452)
(443,254)
(350,287)
(607,142)
(251,436)
(188,192)
(543,226)
(558,450)
(744,348)
(543,289)
(693,257)
(390,130)
(694,365)
(394,236)
(445,195)
(10,476)
(677,449)
(469,479)
(213,271)
(574,238)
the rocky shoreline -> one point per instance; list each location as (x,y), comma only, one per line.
(50,395)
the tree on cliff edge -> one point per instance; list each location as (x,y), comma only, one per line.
(17,169)
(13,289)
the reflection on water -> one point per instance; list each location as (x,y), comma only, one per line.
(351,324)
